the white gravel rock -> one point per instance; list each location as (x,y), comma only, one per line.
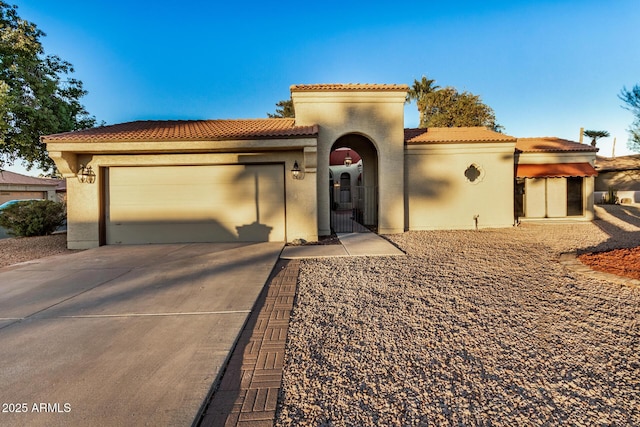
(470,328)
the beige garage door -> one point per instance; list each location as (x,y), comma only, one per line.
(179,204)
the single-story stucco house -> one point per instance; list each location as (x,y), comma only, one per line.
(271,180)
(15,186)
(554,179)
(620,174)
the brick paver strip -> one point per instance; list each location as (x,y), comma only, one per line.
(247,395)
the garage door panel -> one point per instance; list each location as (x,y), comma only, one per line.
(170,232)
(230,211)
(195,204)
(184,200)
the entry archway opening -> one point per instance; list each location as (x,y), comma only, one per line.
(353,184)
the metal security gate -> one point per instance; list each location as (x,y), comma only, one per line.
(354,209)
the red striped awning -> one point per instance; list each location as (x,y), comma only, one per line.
(555,170)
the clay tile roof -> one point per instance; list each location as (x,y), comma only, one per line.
(550,143)
(349,87)
(7,177)
(187,130)
(459,134)
(622,163)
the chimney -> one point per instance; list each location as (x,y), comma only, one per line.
(581,135)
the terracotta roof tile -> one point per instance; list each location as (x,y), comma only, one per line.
(458,134)
(622,163)
(187,130)
(550,143)
(555,170)
(349,87)
(7,177)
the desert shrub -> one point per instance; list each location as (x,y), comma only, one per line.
(33,218)
(611,198)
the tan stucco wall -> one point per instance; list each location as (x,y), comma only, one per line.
(18,191)
(6,195)
(589,198)
(85,205)
(618,180)
(83,214)
(439,195)
(379,117)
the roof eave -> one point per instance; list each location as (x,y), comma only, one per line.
(469,141)
(184,146)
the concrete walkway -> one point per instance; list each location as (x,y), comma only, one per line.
(351,244)
(124,335)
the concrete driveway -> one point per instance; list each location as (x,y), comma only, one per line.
(123,335)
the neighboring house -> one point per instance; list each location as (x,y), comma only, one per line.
(273,179)
(14,186)
(61,190)
(554,179)
(621,174)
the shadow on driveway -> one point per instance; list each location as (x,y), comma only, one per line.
(124,335)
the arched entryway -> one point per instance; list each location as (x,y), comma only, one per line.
(353,184)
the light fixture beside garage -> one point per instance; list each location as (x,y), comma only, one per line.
(296,173)
(86,175)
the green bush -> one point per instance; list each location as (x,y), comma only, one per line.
(33,218)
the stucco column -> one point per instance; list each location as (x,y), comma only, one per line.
(83,213)
(391,191)
(375,112)
(588,188)
(322,182)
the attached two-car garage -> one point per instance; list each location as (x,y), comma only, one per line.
(180,204)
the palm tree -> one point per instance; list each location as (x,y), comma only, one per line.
(419,90)
(595,135)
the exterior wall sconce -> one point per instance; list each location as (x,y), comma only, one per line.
(347,159)
(86,175)
(296,173)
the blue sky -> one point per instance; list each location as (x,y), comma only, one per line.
(547,68)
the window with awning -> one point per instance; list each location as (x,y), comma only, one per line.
(555,170)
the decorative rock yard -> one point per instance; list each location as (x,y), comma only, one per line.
(470,328)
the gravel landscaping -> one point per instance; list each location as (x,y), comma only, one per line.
(473,328)
(22,249)
(470,328)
